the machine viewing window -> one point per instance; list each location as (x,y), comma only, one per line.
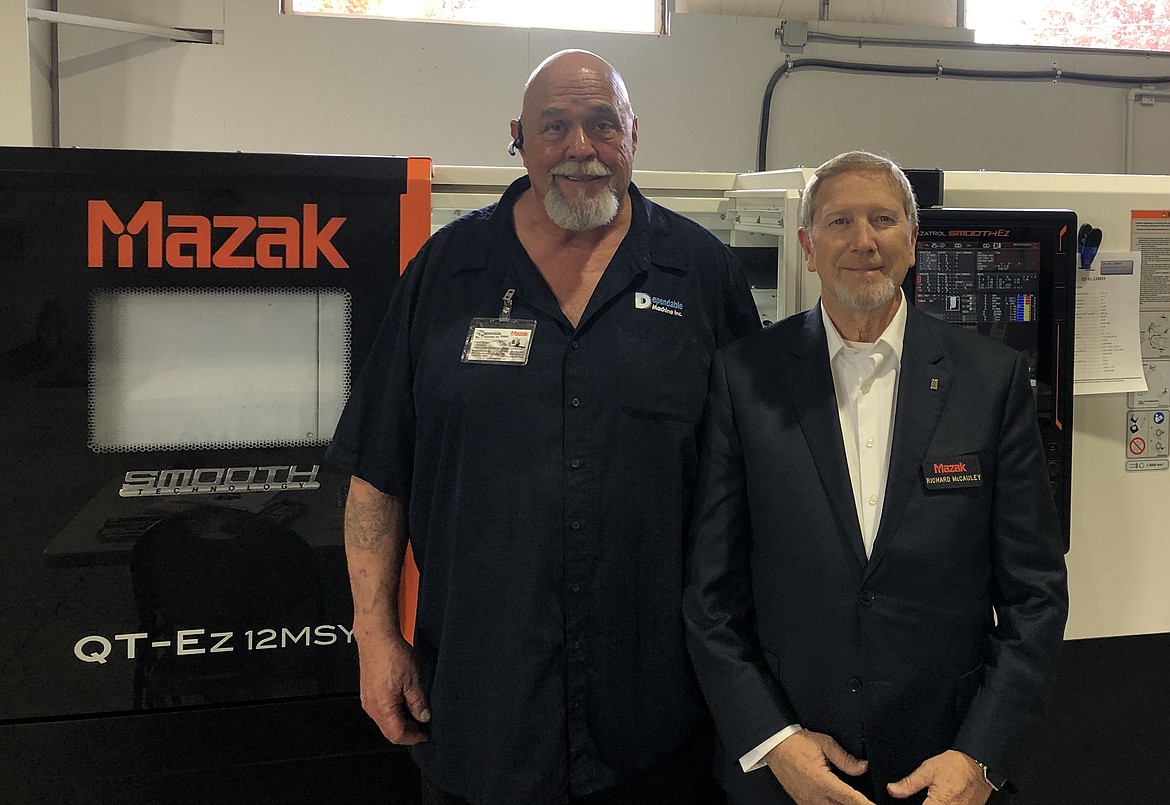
(193,369)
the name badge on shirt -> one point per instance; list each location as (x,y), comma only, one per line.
(952,472)
(504,341)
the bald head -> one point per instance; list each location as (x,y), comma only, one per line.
(569,66)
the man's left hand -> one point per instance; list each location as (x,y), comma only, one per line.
(951,778)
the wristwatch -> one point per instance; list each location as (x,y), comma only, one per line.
(991,777)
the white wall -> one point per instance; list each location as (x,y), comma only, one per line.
(447,91)
(15,88)
(970,124)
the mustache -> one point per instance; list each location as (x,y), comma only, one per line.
(590,168)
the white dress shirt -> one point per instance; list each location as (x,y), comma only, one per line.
(865,377)
(866,380)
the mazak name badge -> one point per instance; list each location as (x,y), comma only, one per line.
(499,341)
(957,472)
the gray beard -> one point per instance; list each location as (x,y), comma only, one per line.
(876,297)
(589,212)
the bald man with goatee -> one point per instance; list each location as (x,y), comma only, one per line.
(527,421)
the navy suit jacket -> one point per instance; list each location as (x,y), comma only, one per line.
(947,636)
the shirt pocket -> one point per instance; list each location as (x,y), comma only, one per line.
(662,372)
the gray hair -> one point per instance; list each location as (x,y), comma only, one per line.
(859,162)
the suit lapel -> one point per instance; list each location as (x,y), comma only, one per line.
(815,400)
(922,391)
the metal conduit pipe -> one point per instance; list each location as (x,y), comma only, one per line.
(1131,98)
(1055,75)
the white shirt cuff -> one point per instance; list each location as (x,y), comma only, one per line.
(755,758)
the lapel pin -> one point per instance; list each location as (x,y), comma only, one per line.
(934,384)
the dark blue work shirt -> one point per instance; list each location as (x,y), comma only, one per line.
(547,502)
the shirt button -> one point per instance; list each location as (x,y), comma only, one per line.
(576,645)
(576,344)
(575,587)
(867,596)
(575,463)
(575,402)
(855,685)
(576,703)
(873,500)
(575,525)
(869,442)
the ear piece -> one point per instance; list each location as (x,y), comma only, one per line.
(517,144)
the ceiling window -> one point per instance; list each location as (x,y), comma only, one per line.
(1132,24)
(627,16)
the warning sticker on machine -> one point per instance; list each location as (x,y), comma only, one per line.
(1146,444)
(1145,426)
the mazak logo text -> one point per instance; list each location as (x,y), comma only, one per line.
(185,241)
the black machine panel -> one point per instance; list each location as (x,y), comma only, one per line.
(1009,275)
(177,335)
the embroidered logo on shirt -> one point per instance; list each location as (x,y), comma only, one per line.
(952,473)
(644,301)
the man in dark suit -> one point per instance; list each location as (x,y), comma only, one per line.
(877,592)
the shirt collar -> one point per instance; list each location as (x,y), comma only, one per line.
(891,339)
